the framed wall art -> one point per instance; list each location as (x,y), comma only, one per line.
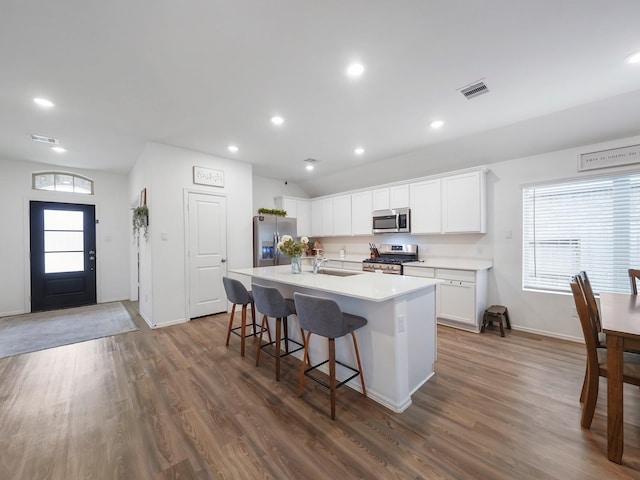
(614,157)
(208,176)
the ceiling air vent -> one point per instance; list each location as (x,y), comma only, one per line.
(40,138)
(474,90)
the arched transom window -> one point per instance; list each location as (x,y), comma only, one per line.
(62,182)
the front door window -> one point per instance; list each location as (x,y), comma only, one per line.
(63,241)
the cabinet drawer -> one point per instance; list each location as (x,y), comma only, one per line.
(458,275)
(419,272)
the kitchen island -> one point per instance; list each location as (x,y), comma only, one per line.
(397,346)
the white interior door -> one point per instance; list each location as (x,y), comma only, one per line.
(207,219)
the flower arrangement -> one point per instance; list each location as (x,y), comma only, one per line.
(290,248)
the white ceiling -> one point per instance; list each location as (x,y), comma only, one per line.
(202,74)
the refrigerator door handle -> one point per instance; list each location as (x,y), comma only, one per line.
(276,250)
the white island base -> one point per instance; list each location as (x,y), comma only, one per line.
(398,345)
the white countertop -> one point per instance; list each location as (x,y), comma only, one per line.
(374,287)
(453,263)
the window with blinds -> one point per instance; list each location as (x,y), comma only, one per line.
(591,225)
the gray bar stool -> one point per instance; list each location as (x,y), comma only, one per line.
(239,295)
(323,317)
(271,303)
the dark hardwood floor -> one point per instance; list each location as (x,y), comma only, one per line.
(176,403)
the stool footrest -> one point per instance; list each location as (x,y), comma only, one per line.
(282,354)
(254,334)
(324,384)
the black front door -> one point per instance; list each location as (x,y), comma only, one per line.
(63,255)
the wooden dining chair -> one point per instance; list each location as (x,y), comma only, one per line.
(583,279)
(634,276)
(601,339)
(597,356)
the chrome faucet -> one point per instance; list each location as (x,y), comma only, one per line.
(318,262)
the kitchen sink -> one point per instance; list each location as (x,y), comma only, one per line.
(338,273)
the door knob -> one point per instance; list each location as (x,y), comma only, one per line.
(92,258)
(91,252)
(223,260)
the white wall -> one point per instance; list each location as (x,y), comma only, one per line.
(167,172)
(534,311)
(140,250)
(539,312)
(112,232)
(266,189)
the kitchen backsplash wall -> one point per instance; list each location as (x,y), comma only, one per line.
(451,246)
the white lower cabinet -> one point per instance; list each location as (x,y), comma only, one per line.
(456,301)
(461,298)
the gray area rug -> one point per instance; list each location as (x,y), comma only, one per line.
(38,331)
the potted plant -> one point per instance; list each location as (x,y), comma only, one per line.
(140,221)
(272,211)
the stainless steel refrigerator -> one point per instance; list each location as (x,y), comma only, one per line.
(267,232)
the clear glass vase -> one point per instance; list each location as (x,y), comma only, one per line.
(296,264)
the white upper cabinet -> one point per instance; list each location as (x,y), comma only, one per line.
(327,217)
(288,204)
(342,215)
(426,206)
(444,204)
(304,217)
(298,208)
(380,199)
(399,196)
(316,218)
(361,208)
(464,203)
(390,197)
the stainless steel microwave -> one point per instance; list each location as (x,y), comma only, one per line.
(397,220)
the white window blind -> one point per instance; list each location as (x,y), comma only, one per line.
(591,225)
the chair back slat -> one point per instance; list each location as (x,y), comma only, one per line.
(587,322)
(585,285)
(634,275)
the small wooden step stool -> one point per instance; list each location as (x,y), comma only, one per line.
(498,313)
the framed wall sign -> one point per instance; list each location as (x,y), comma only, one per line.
(609,158)
(208,176)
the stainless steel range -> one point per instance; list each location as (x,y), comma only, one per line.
(391,258)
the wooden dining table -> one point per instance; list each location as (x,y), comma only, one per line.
(620,317)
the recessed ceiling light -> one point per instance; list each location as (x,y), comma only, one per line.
(310,163)
(58,149)
(436,124)
(355,69)
(232,148)
(43,102)
(277,120)
(634,57)
(359,151)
